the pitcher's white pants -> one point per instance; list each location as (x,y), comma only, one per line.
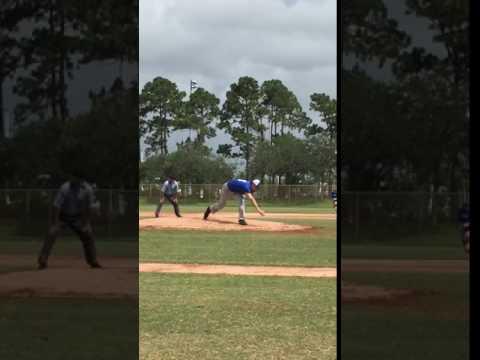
(226,194)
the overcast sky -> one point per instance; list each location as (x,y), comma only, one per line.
(215,42)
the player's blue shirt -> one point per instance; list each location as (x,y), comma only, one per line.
(464,215)
(239,186)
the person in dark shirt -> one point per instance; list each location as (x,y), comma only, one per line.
(72,208)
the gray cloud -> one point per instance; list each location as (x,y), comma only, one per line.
(216,41)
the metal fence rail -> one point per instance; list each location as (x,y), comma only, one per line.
(28,212)
(267,192)
(383,215)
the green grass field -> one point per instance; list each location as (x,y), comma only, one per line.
(303,249)
(77,329)
(432,325)
(239,317)
(65,328)
(272,207)
(442,242)
(223,317)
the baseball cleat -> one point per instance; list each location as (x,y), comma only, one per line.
(207,212)
(242,222)
(95,265)
(156,214)
(42,265)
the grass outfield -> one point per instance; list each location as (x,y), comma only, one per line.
(433,326)
(247,248)
(222,317)
(70,246)
(399,252)
(442,242)
(316,207)
(76,329)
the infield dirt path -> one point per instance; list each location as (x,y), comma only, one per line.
(238,270)
(423,266)
(68,276)
(227,221)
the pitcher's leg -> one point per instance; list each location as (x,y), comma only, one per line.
(241,207)
(241,210)
(220,204)
(222,201)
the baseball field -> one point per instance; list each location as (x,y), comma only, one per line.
(217,290)
(68,310)
(406,297)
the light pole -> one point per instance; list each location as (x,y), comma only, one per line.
(193,86)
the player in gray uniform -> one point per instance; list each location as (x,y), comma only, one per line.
(169,191)
(72,208)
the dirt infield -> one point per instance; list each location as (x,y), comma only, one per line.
(238,270)
(423,266)
(360,293)
(228,221)
(364,293)
(69,277)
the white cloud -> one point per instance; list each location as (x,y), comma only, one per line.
(217,41)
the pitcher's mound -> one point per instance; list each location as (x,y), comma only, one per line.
(357,293)
(216,222)
(67,278)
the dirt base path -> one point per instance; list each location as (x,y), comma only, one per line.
(226,222)
(238,270)
(360,293)
(68,277)
(423,266)
(370,294)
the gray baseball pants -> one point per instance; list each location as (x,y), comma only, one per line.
(225,195)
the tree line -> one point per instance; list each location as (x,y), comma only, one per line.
(267,127)
(410,131)
(44,47)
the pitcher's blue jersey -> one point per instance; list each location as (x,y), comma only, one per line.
(239,186)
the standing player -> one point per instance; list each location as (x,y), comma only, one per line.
(72,208)
(334,199)
(464,219)
(169,191)
(241,189)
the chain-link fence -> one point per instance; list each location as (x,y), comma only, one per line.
(29,213)
(286,194)
(369,216)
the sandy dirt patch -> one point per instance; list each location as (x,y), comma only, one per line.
(358,293)
(425,266)
(218,222)
(69,277)
(239,270)
(371,294)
